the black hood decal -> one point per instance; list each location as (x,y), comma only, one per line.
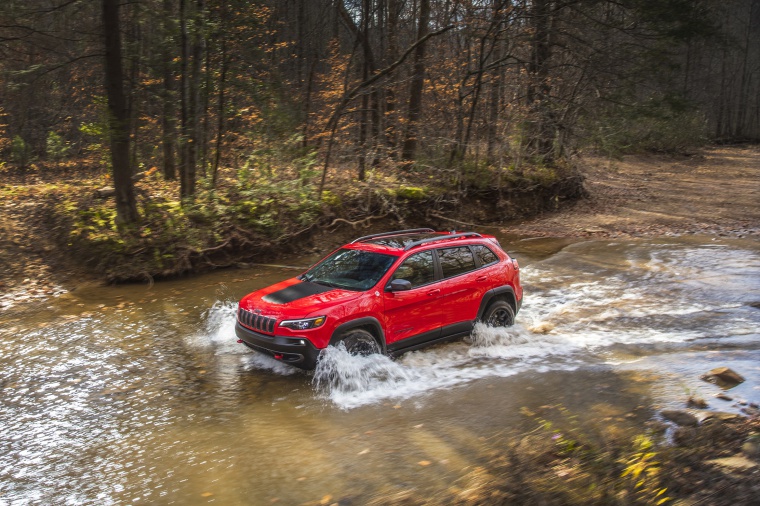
(295,292)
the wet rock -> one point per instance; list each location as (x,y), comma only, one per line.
(685,436)
(719,416)
(724,377)
(696,402)
(724,397)
(657,427)
(680,417)
(751,447)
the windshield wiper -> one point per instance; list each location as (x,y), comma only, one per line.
(325,283)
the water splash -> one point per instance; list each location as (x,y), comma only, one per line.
(582,308)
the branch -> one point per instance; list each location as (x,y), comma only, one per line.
(387,70)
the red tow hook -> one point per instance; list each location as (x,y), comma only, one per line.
(240,341)
(278,356)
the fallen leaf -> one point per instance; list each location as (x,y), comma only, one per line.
(424,462)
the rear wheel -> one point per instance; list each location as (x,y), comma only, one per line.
(499,314)
(360,342)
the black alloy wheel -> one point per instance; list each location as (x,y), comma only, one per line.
(499,314)
(360,342)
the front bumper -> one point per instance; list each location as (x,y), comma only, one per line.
(299,352)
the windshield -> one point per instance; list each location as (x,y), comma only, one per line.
(350,269)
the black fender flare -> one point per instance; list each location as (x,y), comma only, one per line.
(368,322)
(506,292)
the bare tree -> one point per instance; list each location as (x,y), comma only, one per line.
(126,206)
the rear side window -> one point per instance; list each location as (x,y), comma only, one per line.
(417,269)
(484,254)
(456,261)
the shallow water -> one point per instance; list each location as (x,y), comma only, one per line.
(141,394)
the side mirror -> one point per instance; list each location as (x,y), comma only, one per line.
(399,285)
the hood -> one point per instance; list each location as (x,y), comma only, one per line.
(296,298)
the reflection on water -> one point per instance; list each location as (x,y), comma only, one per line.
(141,394)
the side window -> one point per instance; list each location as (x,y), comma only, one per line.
(484,254)
(417,269)
(456,261)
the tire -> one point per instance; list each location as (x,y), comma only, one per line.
(360,342)
(499,314)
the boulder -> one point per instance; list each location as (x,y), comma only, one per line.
(682,418)
(724,377)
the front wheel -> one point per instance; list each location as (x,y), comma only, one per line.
(499,314)
(360,342)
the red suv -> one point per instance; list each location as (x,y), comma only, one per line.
(384,293)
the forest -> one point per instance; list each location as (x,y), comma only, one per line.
(177,135)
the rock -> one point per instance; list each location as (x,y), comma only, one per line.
(680,417)
(723,396)
(751,447)
(720,416)
(657,426)
(685,436)
(696,402)
(737,462)
(105,192)
(724,377)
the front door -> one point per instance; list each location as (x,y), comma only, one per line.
(414,314)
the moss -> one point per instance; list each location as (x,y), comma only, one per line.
(411,193)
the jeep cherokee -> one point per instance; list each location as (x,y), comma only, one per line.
(384,293)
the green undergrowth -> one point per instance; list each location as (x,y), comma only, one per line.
(257,212)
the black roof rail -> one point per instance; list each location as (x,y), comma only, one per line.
(396,232)
(442,238)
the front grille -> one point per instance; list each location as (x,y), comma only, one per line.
(256,321)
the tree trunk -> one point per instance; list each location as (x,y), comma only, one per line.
(220,124)
(391,134)
(185,161)
(168,122)
(541,138)
(409,150)
(118,118)
(367,61)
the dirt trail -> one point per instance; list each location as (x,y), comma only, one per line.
(716,191)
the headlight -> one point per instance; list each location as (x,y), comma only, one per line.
(306,323)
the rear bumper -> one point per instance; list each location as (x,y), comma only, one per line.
(299,352)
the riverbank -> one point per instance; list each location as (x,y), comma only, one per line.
(712,191)
(58,222)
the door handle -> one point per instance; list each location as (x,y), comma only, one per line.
(480,279)
(434,292)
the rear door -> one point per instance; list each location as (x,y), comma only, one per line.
(462,288)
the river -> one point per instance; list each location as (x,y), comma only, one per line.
(140,394)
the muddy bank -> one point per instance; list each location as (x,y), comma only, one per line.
(714,191)
(57,229)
